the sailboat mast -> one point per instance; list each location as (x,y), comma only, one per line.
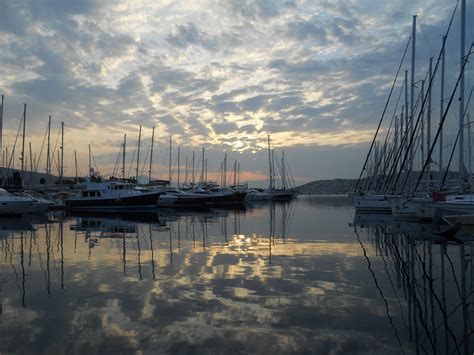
(193,169)
(31,158)
(407,117)
(270,174)
(235,172)
(283,176)
(186,170)
(461,88)
(151,153)
(179,153)
(273,167)
(75,166)
(90,161)
(412,89)
(1,124)
(169,168)
(469,152)
(422,128)
(23,140)
(62,155)
(222,168)
(202,172)
(225,169)
(428,122)
(123,155)
(441,105)
(138,151)
(205,169)
(48,157)
(238,173)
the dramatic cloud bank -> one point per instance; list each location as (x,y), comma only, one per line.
(223,75)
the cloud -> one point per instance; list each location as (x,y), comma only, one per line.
(307,70)
(188,35)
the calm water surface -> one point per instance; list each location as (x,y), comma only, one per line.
(298,277)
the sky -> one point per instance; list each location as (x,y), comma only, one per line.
(222,75)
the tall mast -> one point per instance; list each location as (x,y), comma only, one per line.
(235,172)
(202,173)
(469,144)
(138,150)
(461,88)
(401,133)
(151,153)
(48,157)
(422,128)
(179,152)
(395,142)
(23,140)
(62,155)
(90,161)
(273,167)
(221,183)
(31,165)
(205,169)
(31,158)
(169,168)
(238,173)
(283,177)
(407,117)
(441,110)
(270,174)
(75,166)
(225,169)
(1,123)
(123,155)
(193,169)
(412,89)
(428,122)
(186,170)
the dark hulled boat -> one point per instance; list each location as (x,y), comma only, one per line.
(112,195)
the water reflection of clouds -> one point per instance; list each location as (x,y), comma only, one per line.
(249,292)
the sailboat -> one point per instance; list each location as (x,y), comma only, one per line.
(454,199)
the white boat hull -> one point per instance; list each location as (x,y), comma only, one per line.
(410,208)
(372,203)
(15,207)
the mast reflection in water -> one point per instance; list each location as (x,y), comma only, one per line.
(294,277)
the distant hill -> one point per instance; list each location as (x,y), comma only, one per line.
(327,187)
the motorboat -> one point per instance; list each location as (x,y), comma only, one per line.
(111,195)
(14,205)
(258,195)
(179,198)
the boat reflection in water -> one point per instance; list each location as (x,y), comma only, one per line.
(282,277)
(431,277)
